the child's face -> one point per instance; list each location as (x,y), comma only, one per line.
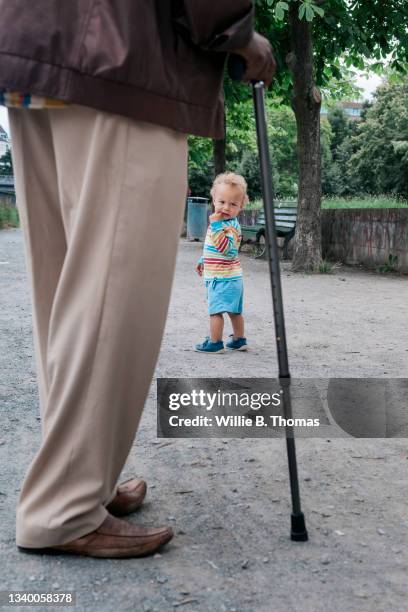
(228,200)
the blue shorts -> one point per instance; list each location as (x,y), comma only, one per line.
(224,295)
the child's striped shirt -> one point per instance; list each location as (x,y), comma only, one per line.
(15,99)
(220,253)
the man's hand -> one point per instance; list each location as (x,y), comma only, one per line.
(199,269)
(260,63)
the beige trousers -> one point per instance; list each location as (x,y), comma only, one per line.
(101,201)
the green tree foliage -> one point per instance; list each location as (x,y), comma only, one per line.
(6,164)
(366,156)
(340,127)
(334,161)
(314,42)
(242,154)
(200,165)
(282,142)
(371,155)
(379,159)
(345,33)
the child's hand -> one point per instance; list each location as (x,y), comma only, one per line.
(216,217)
(199,269)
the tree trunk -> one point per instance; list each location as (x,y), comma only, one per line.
(306,104)
(219,156)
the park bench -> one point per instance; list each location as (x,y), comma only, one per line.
(285,222)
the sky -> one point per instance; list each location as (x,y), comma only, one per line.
(369,85)
(4,119)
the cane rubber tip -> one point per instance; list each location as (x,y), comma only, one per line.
(298,532)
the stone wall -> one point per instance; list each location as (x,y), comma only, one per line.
(366,236)
(352,236)
(360,236)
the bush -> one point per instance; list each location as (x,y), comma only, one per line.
(8,216)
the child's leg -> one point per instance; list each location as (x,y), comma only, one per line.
(237,321)
(216,327)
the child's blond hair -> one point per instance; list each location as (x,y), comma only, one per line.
(236,180)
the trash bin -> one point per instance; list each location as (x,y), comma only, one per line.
(196,218)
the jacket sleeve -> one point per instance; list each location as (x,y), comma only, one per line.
(221,25)
(223,239)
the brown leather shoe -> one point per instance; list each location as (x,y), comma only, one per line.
(129,497)
(113,539)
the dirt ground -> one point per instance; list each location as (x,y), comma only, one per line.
(229,499)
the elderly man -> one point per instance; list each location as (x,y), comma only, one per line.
(102,95)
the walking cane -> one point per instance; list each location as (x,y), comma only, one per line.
(236,68)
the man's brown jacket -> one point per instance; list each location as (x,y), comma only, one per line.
(159,61)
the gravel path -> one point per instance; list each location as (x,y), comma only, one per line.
(229,499)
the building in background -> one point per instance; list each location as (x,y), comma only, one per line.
(5,143)
(7,193)
(352,110)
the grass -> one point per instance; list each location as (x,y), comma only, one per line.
(8,217)
(390,265)
(381,201)
(325,267)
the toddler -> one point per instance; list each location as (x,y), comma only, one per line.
(220,266)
